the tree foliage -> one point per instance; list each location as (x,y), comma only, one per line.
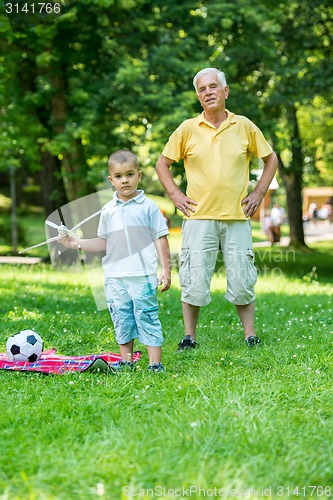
(111,74)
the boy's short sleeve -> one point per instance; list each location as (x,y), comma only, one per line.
(157,224)
(102,227)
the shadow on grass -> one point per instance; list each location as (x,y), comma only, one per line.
(316,263)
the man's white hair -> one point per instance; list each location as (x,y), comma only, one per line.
(220,76)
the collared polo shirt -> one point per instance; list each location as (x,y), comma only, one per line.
(130,229)
(217,162)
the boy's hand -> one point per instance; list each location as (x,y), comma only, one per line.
(164,279)
(68,241)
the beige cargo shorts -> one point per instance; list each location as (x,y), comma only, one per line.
(201,241)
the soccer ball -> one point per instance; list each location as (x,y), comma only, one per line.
(26,345)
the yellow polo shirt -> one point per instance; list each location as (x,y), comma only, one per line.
(217,163)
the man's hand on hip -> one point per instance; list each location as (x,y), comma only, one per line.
(184,203)
(252,203)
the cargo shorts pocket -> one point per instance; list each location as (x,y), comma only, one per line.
(117,319)
(184,270)
(150,314)
(251,273)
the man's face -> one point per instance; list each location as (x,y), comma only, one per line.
(210,93)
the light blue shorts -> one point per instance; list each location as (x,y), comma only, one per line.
(133,306)
(202,239)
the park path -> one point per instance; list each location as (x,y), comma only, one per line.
(13,259)
(319,231)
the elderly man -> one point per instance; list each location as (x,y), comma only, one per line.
(216,148)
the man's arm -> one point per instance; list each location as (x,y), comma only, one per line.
(253,200)
(163,252)
(180,200)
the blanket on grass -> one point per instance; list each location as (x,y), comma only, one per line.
(50,362)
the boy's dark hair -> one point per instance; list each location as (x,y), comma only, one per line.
(123,156)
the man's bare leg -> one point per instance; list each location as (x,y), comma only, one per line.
(246,314)
(191,315)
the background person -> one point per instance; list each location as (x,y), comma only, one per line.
(313,212)
(325,211)
(268,225)
(216,148)
(277,218)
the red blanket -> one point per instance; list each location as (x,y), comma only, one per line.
(50,362)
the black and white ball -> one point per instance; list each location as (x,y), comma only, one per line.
(26,345)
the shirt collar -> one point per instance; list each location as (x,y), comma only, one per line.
(231,118)
(139,198)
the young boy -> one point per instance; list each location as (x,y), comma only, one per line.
(133,233)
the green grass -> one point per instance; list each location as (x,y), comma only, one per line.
(221,416)
(314,264)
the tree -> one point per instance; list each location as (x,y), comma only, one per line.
(115,74)
(298,74)
(315,128)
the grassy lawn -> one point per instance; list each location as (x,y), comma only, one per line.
(220,417)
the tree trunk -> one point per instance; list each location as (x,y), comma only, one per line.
(53,192)
(13,217)
(293,187)
(74,178)
(292,179)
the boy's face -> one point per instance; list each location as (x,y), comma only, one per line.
(125,178)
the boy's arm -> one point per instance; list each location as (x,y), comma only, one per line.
(163,252)
(89,245)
